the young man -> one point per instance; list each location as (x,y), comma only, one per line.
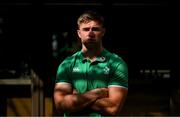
(93,81)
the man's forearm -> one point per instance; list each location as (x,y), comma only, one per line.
(76,102)
(104,106)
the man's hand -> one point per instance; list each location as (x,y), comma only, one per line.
(100,92)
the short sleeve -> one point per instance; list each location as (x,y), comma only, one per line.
(119,75)
(63,72)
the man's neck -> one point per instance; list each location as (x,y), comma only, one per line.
(92,53)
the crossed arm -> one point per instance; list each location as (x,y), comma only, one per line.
(107,101)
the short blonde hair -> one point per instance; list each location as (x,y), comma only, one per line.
(88,16)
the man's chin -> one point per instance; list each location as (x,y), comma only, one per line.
(90,45)
(91,41)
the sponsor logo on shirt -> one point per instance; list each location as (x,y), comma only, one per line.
(76,69)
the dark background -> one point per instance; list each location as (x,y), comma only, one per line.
(141,32)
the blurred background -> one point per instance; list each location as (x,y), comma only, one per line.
(36,36)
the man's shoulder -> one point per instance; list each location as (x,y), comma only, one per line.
(70,59)
(113,56)
(115,60)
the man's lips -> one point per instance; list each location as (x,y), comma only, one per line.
(91,40)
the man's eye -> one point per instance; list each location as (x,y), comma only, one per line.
(86,29)
(95,29)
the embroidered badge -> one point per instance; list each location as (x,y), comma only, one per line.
(106,70)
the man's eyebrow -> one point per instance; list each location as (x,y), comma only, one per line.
(86,28)
(93,28)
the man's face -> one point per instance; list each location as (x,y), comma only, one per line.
(91,33)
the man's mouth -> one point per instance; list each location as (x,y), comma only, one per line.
(91,40)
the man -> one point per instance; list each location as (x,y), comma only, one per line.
(93,81)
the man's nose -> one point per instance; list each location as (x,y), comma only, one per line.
(91,33)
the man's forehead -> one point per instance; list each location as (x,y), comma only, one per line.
(90,24)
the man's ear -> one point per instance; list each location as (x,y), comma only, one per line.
(104,31)
(78,32)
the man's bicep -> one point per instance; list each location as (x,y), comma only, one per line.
(112,104)
(117,95)
(62,89)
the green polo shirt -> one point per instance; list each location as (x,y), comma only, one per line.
(107,70)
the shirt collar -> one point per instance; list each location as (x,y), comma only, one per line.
(100,58)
